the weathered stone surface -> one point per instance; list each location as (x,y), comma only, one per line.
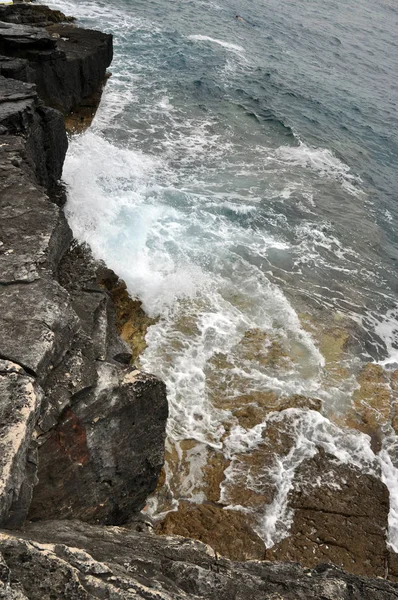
(75,561)
(104,456)
(44,145)
(37,325)
(226,531)
(32,14)
(20,400)
(99,426)
(80,275)
(340,517)
(66,63)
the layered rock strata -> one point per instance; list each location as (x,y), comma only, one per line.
(78,425)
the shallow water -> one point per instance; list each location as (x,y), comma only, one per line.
(241,178)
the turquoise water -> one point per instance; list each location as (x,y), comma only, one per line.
(241,177)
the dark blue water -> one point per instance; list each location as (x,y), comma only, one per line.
(241,177)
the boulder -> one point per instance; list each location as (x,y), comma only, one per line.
(103,457)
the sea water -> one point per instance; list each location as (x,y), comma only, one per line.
(241,177)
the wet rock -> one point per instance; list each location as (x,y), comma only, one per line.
(376,398)
(103,457)
(131,320)
(227,532)
(340,516)
(392,566)
(81,117)
(71,560)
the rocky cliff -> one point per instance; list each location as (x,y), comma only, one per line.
(81,429)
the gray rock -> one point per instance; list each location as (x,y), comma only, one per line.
(66,63)
(93,430)
(20,401)
(27,13)
(71,560)
(103,457)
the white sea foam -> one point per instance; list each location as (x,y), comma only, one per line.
(323,162)
(310,431)
(227,45)
(167,211)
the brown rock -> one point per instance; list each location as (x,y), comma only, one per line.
(227,531)
(340,517)
(131,320)
(392,572)
(373,399)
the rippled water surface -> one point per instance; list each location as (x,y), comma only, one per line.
(241,176)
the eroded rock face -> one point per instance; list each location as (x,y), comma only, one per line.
(103,457)
(66,63)
(340,516)
(76,421)
(76,561)
(20,403)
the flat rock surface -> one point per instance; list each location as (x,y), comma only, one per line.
(340,516)
(226,531)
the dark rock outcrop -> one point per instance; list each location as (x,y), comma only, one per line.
(66,63)
(80,430)
(75,561)
(32,14)
(100,460)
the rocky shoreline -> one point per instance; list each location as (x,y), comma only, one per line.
(82,430)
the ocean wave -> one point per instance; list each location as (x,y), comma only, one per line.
(227,45)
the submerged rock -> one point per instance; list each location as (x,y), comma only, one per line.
(228,532)
(340,517)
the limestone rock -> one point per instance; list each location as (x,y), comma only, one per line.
(66,63)
(75,561)
(20,400)
(340,516)
(72,414)
(103,457)
(226,531)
